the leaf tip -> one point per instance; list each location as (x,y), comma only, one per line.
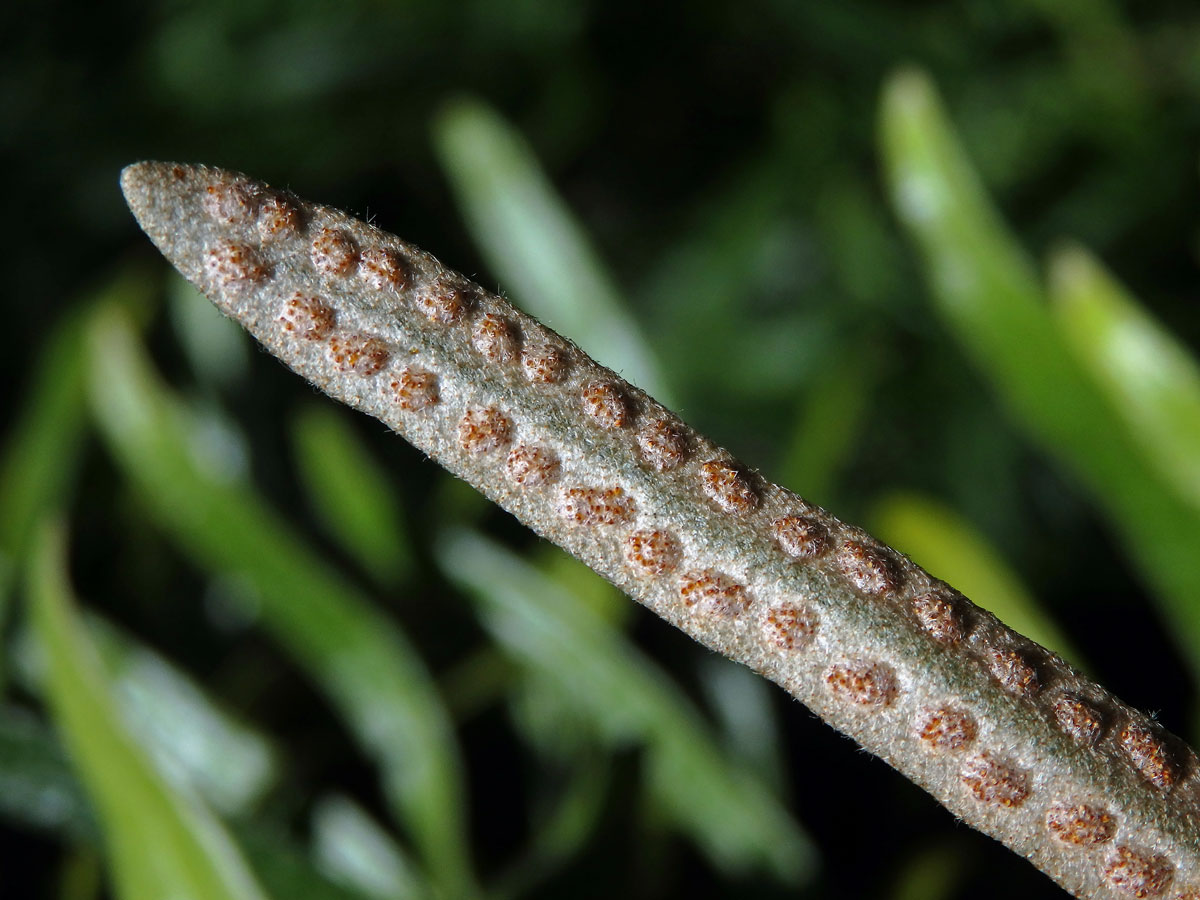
(1069,270)
(137,180)
(907,92)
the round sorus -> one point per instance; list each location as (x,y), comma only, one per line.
(532,465)
(946,727)
(710,591)
(728,487)
(383,268)
(1080,824)
(232,265)
(1149,755)
(482,430)
(416,389)
(362,354)
(605,405)
(995,781)
(1078,718)
(446,301)
(867,568)
(940,616)
(863,683)
(652,551)
(663,445)
(1013,671)
(543,363)
(789,626)
(800,537)
(596,506)
(307,317)
(333,252)
(278,217)
(1138,873)
(233,201)
(495,338)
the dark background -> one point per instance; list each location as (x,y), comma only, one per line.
(723,158)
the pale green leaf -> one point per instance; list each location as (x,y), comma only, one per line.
(350,493)
(989,295)
(625,698)
(534,244)
(351,849)
(191,737)
(1151,379)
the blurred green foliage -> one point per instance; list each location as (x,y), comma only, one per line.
(720,198)
(160,843)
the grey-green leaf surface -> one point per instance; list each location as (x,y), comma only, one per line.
(161,841)
(1151,379)
(990,297)
(363,662)
(627,699)
(533,243)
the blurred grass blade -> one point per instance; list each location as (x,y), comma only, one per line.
(351,849)
(217,349)
(369,670)
(351,495)
(987,292)
(931,873)
(42,448)
(561,832)
(284,866)
(726,809)
(192,739)
(742,704)
(950,548)
(829,421)
(161,842)
(985,287)
(571,800)
(39,791)
(533,243)
(42,445)
(1151,379)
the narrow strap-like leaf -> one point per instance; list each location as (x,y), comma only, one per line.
(1001,731)
(162,842)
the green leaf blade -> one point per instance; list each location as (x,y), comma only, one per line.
(162,843)
(627,699)
(350,493)
(1149,377)
(988,293)
(368,669)
(534,244)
